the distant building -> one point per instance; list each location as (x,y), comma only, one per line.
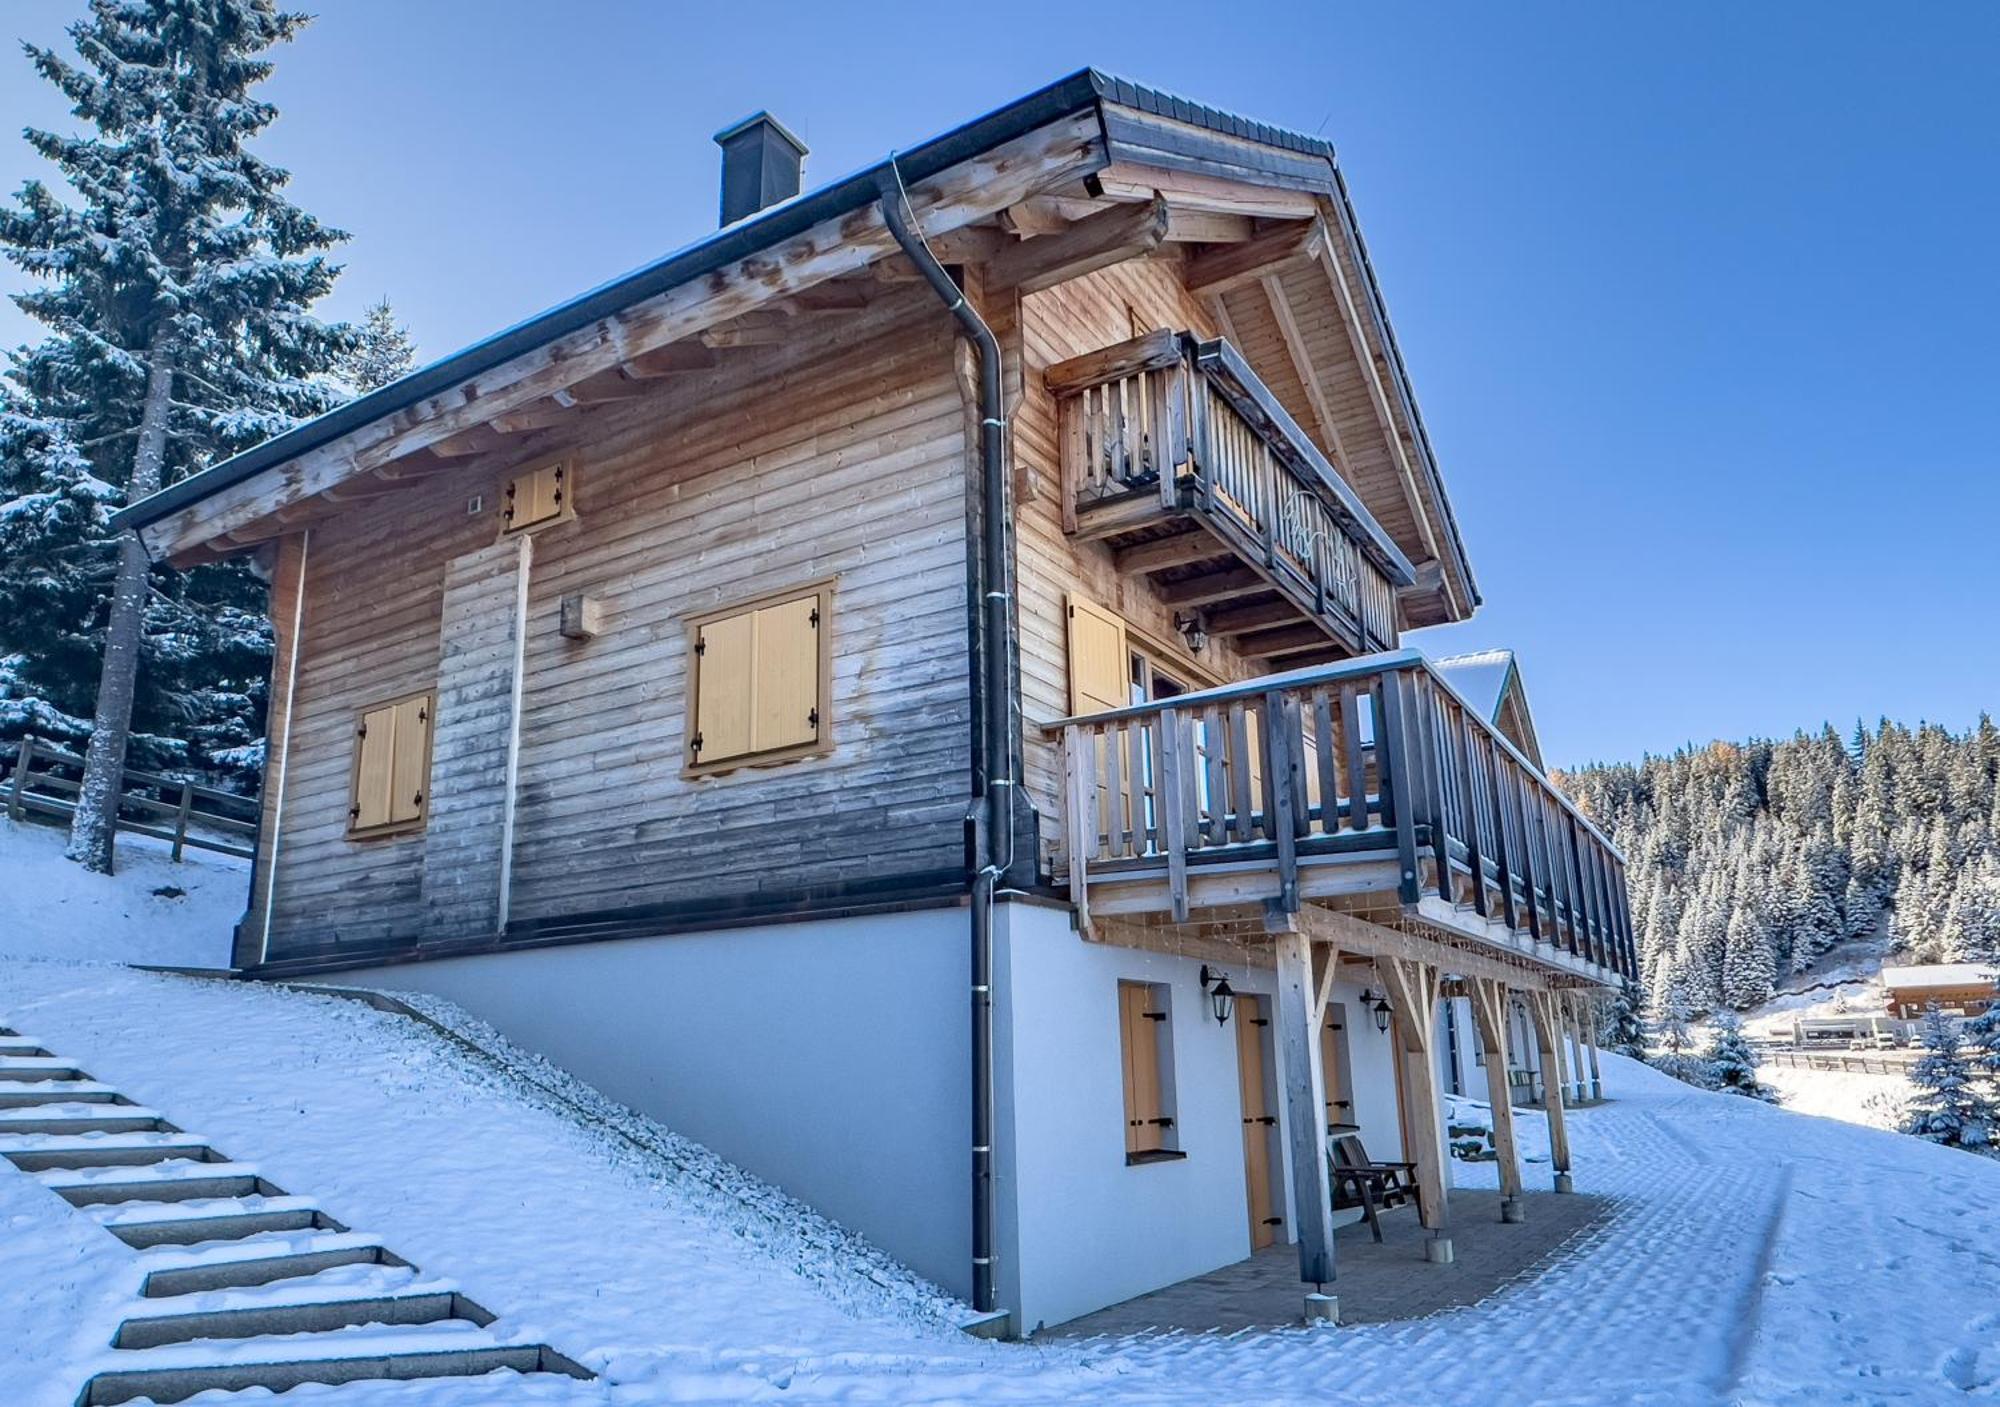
(1958,988)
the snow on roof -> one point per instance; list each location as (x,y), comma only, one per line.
(1480,677)
(1938,974)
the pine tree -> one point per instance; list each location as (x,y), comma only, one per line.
(175,293)
(1671,1032)
(1732,1062)
(1748,971)
(1948,1107)
(383,352)
(1625,1020)
(1972,923)
(1982,1041)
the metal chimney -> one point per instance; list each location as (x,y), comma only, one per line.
(761,162)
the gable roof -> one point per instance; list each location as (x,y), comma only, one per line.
(1138,124)
(1939,974)
(1490,681)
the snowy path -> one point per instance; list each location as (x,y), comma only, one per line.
(1757,1255)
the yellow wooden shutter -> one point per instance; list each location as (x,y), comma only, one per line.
(1141,1050)
(373,769)
(784,675)
(409,779)
(1100,662)
(722,689)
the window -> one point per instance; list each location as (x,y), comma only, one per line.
(1145,1041)
(392,767)
(535,497)
(758,677)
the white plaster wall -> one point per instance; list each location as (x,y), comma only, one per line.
(829,1057)
(1079,1229)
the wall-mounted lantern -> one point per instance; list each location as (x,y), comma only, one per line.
(1192,629)
(1221,996)
(1378,1005)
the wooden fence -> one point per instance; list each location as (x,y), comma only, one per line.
(42,779)
(1881,1063)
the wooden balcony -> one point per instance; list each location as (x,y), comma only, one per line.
(1368,786)
(1182,461)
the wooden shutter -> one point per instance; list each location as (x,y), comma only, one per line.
(409,767)
(375,751)
(723,655)
(1100,661)
(784,675)
(536,496)
(1140,1047)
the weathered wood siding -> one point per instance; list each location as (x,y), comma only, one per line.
(840,455)
(1095,311)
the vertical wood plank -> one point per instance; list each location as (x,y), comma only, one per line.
(1305,1107)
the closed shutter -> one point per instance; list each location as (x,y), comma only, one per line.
(1100,662)
(722,688)
(374,769)
(410,764)
(784,675)
(1140,1045)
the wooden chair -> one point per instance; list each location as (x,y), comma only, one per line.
(1359,1180)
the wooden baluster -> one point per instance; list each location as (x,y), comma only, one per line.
(1080,774)
(1114,789)
(1327,743)
(1171,798)
(1393,751)
(1357,762)
(1239,774)
(1138,786)
(1218,775)
(1464,729)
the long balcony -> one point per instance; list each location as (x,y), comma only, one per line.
(1182,461)
(1368,786)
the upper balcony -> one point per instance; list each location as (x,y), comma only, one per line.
(1369,786)
(1182,461)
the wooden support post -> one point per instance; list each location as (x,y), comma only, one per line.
(181,819)
(1413,991)
(1543,1008)
(1590,1044)
(1579,1078)
(1489,1012)
(1305,1106)
(23,760)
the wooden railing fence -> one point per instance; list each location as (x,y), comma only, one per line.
(1377,753)
(43,779)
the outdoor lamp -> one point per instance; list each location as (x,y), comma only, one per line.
(1382,1014)
(1192,629)
(1221,996)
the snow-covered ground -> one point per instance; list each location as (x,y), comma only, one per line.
(1872,1100)
(1756,1255)
(155,911)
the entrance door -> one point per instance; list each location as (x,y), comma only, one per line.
(1260,1126)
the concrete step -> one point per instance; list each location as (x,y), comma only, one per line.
(258,1260)
(156,1182)
(142,1224)
(84,1118)
(174,1372)
(24,1094)
(297,1314)
(36,1067)
(41,1152)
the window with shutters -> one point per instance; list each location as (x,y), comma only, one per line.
(392,767)
(533,498)
(758,681)
(1145,1042)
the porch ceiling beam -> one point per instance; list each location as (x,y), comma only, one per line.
(605,387)
(1111,237)
(538,415)
(1218,271)
(1180,550)
(671,360)
(1355,935)
(1240,620)
(1062,151)
(1287,640)
(1216,586)
(478,439)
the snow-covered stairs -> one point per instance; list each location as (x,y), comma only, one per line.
(245,1285)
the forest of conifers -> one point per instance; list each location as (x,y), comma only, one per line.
(1750,862)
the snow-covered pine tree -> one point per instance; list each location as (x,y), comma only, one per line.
(1732,1062)
(1749,970)
(1670,1032)
(1972,923)
(383,351)
(175,290)
(1949,1107)
(1625,1020)
(1982,1048)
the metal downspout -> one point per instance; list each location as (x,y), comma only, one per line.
(994,840)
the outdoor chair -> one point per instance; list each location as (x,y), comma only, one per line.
(1359,1180)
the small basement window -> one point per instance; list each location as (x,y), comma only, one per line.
(1145,1038)
(539,496)
(758,681)
(392,767)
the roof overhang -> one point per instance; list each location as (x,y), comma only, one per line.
(1080,132)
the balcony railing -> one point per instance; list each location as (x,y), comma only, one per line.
(1368,776)
(1167,427)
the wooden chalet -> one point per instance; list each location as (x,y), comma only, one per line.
(988,574)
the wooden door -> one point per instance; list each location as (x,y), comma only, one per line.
(1259,1124)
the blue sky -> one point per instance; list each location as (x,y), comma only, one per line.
(1700,300)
